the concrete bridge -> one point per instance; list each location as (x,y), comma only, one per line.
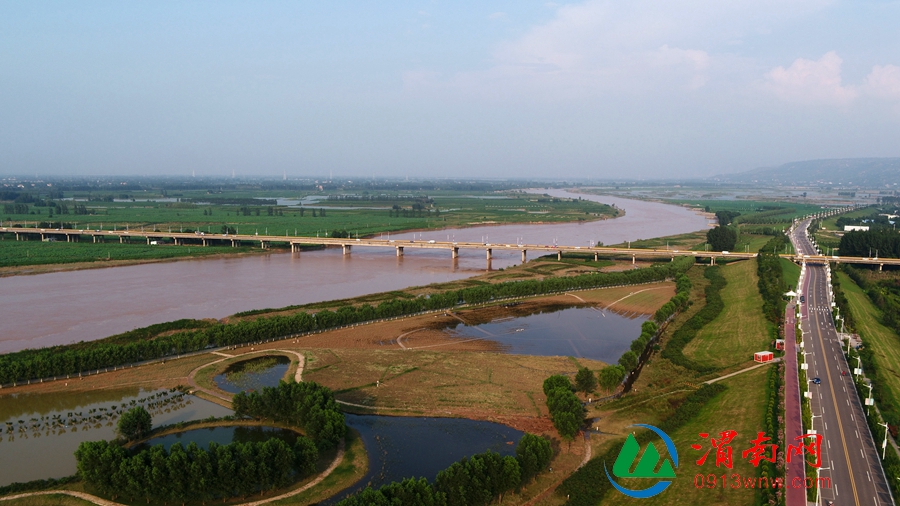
(346,244)
(400,246)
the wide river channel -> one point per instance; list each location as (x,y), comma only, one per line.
(66,307)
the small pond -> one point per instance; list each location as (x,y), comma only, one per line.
(575,332)
(253,374)
(406,447)
(47,428)
(222,436)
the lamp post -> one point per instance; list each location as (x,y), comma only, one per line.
(869,408)
(858,365)
(884,443)
(818,471)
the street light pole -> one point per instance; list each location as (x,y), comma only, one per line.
(884,444)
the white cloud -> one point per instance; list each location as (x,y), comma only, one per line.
(811,82)
(883,82)
(603,47)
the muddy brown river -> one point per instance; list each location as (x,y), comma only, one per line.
(66,307)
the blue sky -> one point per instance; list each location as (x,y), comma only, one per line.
(637,89)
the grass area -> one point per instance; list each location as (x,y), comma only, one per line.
(692,240)
(16,253)
(791,272)
(884,343)
(740,408)
(376,217)
(451,384)
(751,242)
(47,500)
(740,329)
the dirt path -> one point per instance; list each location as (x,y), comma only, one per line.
(630,294)
(401,336)
(587,449)
(298,376)
(80,495)
(757,366)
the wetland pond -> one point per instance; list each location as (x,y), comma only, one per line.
(406,447)
(581,332)
(221,435)
(46,429)
(253,374)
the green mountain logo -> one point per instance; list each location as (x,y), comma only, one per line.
(646,467)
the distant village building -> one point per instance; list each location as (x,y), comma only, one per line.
(854,228)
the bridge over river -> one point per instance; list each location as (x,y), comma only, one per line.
(454,247)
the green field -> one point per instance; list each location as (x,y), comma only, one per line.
(791,273)
(883,341)
(236,212)
(19,253)
(740,329)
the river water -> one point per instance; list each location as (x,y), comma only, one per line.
(67,307)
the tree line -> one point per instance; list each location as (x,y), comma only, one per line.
(74,359)
(473,481)
(307,405)
(565,408)
(771,281)
(192,473)
(884,242)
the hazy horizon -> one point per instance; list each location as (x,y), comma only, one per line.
(497,89)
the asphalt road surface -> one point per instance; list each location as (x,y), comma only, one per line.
(849,455)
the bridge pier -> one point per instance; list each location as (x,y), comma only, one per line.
(880,266)
(524,256)
(17,236)
(559,255)
(345,249)
(121,239)
(712,260)
(234,245)
(148,240)
(596,256)
(632,259)
(68,237)
(399,251)
(454,252)
(488,254)
(264,244)
(204,242)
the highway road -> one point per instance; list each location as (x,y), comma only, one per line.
(849,455)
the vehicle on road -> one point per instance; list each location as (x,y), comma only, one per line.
(817,381)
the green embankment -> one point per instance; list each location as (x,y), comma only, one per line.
(884,343)
(791,273)
(740,329)
(738,408)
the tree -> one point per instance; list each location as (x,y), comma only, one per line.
(134,423)
(585,380)
(534,454)
(722,238)
(628,360)
(556,381)
(611,376)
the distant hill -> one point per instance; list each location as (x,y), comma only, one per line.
(853,172)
